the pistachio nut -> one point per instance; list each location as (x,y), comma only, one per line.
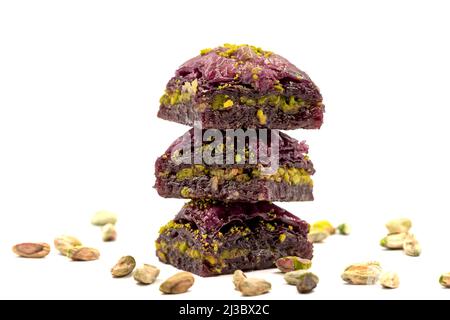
(83,254)
(315,236)
(389,280)
(109,232)
(238,276)
(292,263)
(146,274)
(323,225)
(362,273)
(399,225)
(32,250)
(307,282)
(294,277)
(344,229)
(411,246)
(254,287)
(123,267)
(393,240)
(444,279)
(178,283)
(66,243)
(102,217)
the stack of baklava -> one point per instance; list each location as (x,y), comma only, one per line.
(234,162)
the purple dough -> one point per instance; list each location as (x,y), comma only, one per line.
(241,86)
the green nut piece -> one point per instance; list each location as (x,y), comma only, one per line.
(292,263)
(399,225)
(393,241)
(444,280)
(344,229)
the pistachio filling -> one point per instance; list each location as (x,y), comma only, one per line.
(181,246)
(183,95)
(289,104)
(293,176)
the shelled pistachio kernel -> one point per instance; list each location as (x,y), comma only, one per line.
(178,283)
(393,240)
(324,226)
(238,276)
(344,229)
(411,246)
(102,217)
(123,267)
(254,287)
(389,280)
(64,244)
(146,274)
(362,273)
(399,225)
(292,263)
(109,232)
(444,279)
(31,250)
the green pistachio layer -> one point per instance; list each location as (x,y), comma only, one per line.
(183,95)
(293,176)
(289,104)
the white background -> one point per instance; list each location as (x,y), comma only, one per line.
(79,89)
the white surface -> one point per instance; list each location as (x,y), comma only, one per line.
(79,89)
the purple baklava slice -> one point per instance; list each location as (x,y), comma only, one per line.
(284,177)
(242,86)
(210,238)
